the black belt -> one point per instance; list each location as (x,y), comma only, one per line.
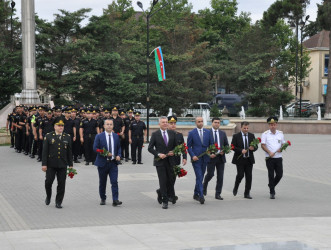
(138,136)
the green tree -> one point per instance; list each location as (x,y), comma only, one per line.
(324,19)
(10,54)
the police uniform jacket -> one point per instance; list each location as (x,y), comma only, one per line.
(57,152)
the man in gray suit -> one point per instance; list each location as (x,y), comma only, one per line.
(218,161)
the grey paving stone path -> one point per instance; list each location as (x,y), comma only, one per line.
(299,217)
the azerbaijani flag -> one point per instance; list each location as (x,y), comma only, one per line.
(159,64)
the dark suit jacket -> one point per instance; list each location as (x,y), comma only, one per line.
(238,144)
(157,146)
(195,147)
(100,142)
(57,153)
(223,142)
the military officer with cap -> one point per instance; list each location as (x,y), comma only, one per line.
(35,128)
(137,135)
(57,156)
(30,124)
(118,122)
(76,142)
(127,123)
(19,124)
(271,142)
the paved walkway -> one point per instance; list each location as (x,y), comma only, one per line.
(299,217)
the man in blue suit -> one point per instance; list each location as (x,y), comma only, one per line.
(199,139)
(219,161)
(108,165)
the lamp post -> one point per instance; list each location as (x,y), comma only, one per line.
(302,25)
(148,16)
(12,4)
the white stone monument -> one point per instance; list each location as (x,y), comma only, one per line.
(29,93)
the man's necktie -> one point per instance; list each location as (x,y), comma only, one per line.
(165,138)
(215,140)
(246,147)
(201,138)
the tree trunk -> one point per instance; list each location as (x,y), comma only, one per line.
(328,91)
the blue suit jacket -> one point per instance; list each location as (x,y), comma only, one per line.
(195,147)
(100,142)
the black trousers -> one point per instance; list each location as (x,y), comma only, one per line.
(126,147)
(19,139)
(219,165)
(40,148)
(12,138)
(122,146)
(90,155)
(244,169)
(76,145)
(275,166)
(61,175)
(32,144)
(137,144)
(166,177)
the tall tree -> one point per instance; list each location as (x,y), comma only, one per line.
(324,19)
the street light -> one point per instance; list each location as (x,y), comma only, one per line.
(12,4)
(302,25)
(148,16)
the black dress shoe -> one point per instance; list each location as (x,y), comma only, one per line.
(103,202)
(79,157)
(126,160)
(235,191)
(159,196)
(134,163)
(202,200)
(58,205)
(196,197)
(47,201)
(26,153)
(140,163)
(11,146)
(204,191)
(218,197)
(247,196)
(32,156)
(173,200)
(129,159)
(87,163)
(117,203)
(272,196)
(39,160)
(76,161)
(165,205)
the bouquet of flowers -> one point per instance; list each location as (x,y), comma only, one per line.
(285,145)
(104,152)
(180,149)
(227,149)
(179,171)
(71,172)
(212,149)
(253,143)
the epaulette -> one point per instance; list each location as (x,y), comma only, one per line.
(266,132)
(280,131)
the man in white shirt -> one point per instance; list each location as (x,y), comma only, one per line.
(271,142)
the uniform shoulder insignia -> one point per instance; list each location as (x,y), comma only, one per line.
(280,131)
(81,123)
(266,132)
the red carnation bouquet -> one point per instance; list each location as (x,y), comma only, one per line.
(227,149)
(71,172)
(212,149)
(179,171)
(104,152)
(254,143)
(180,149)
(285,145)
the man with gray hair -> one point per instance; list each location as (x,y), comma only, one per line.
(162,143)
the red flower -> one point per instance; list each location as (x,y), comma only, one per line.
(118,133)
(232,147)
(289,143)
(259,139)
(100,151)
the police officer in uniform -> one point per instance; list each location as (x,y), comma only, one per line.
(127,123)
(57,155)
(118,121)
(10,127)
(137,137)
(88,130)
(76,142)
(69,125)
(271,142)
(36,127)
(30,125)
(122,138)
(19,124)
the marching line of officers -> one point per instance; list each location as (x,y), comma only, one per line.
(28,127)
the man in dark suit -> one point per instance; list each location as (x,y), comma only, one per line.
(107,165)
(243,158)
(56,156)
(161,144)
(219,161)
(199,139)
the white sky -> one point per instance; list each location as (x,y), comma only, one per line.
(46,8)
